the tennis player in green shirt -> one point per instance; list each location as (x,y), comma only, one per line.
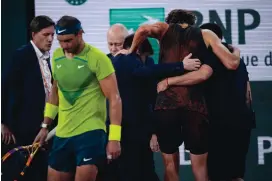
(83,79)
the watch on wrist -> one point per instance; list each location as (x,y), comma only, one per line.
(44,125)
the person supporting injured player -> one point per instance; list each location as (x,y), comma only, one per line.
(228,97)
(181,110)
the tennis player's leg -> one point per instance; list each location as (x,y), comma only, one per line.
(90,150)
(54,175)
(171,164)
(61,160)
(195,132)
(170,138)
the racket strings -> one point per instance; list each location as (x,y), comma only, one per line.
(30,149)
(34,149)
(9,153)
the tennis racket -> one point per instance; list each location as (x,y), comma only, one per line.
(29,150)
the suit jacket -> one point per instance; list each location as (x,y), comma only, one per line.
(23,95)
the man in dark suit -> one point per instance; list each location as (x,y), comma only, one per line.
(26,84)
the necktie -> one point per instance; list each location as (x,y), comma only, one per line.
(46,74)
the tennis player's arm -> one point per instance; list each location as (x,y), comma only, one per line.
(54,101)
(107,79)
(155,30)
(230,60)
(192,78)
(248,95)
(110,89)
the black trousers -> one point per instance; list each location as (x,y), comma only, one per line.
(135,163)
(228,149)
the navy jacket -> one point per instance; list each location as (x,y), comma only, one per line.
(226,96)
(23,94)
(137,86)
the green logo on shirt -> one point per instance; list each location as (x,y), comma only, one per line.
(134,17)
(76,2)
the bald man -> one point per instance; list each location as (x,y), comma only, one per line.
(129,167)
(116,36)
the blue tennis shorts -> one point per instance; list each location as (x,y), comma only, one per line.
(88,148)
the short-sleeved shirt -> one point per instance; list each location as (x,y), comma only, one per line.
(82,104)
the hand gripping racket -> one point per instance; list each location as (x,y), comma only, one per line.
(30,150)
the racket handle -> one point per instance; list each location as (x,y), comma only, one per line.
(51,134)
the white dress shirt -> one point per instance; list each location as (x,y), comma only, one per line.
(45,71)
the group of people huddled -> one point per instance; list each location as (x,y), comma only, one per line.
(113,111)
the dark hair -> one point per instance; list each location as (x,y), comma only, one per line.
(41,22)
(179,16)
(145,47)
(214,28)
(68,22)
